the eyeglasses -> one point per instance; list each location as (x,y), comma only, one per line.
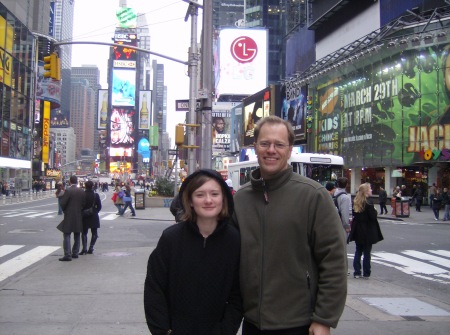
(267,145)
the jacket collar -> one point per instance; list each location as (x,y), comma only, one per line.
(273,183)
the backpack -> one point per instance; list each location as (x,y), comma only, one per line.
(336,203)
(121,194)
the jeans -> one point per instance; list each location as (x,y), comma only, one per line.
(128,204)
(362,250)
(250,329)
(446,213)
(60,211)
(418,204)
(436,213)
(383,208)
(76,244)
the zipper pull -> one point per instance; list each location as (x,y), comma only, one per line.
(266,194)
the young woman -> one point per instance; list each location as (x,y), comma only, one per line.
(90,222)
(192,283)
(365,230)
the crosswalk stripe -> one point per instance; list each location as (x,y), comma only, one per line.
(17,214)
(38,214)
(444,253)
(427,257)
(7,249)
(24,260)
(110,217)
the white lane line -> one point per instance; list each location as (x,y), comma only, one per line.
(427,257)
(19,214)
(109,217)
(7,249)
(24,260)
(407,265)
(445,253)
(38,214)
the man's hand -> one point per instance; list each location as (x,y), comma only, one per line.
(318,329)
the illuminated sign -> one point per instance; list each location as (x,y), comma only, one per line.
(124,88)
(46,132)
(243,61)
(131,64)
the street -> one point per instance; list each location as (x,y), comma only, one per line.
(408,292)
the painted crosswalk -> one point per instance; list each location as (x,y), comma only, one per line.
(23,260)
(32,214)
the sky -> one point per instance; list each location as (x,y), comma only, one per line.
(170,35)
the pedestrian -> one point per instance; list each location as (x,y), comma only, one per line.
(229,182)
(59,193)
(343,203)
(91,222)
(128,201)
(293,270)
(365,231)
(117,198)
(431,192)
(418,197)
(446,204)
(437,203)
(72,202)
(382,199)
(331,188)
(192,283)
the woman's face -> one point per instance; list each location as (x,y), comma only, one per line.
(369,192)
(207,200)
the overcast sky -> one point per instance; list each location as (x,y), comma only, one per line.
(94,20)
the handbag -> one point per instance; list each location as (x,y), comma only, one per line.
(88,211)
(126,199)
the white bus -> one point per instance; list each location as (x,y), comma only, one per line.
(319,167)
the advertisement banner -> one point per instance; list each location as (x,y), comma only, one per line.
(48,88)
(221,123)
(102,109)
(122,128)
(394,112)
(124,87)
(256,107)
(145,103)
(46,132)
(243,61)
(293,108)
(153,136)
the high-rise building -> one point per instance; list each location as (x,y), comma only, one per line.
(228,13)
(82,114)
(144,58)
(65,144)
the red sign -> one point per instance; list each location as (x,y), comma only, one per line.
(244,49)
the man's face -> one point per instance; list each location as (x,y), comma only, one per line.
(219,125)
(273,149)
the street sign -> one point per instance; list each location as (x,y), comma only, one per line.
(172,152)
(183,105)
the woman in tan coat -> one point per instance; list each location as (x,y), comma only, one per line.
(118,201)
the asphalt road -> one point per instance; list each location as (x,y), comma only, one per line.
(408,293)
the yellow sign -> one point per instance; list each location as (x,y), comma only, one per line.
(46,132)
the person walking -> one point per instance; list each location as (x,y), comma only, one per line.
(192,282)
(117,199)
(343,203)
(59,193)
(293,268)
(365,231)
(437,203)
(128,201)
(72,203)
(382,199)
(91,222)
(446,204)
(418,197)
(431,192)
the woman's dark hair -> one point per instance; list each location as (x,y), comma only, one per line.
(88,185)
(189,214)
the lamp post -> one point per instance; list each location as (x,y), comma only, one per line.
(160,113)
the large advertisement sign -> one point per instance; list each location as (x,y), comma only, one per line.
(124,88)
(256,107)
(102,109)
(221,123)
(243,61)
(46,132)
(123,56)
(395,112)
(145,103)
(6,46)
(293,108)
(48,89)
(122,129)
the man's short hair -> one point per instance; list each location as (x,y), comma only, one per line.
(330,186)
(342,182)
(73,180)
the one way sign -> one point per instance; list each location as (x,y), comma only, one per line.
(183,105)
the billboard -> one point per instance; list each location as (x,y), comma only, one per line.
(102,109)
(122,128)
(124,87)
(123,56)
(243,61)
(221,123)
(145,103)
(293,108)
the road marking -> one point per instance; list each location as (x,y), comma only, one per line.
(110,217)
(445,253)
(24,260)
(38,214)
(7,249)
(427,257)
(17,214)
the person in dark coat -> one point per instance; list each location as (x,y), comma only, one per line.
(418,197)
(176,208)
(437,203)
(192,283)
(90,222)
(382,199)
(365,230)
(72,202)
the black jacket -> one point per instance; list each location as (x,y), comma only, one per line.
(94,220)
(192,283)
(365,227)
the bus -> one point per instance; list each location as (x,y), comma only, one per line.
(319,167)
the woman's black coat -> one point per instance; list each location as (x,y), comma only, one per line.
(94,220)
(365,227)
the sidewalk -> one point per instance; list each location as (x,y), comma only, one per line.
(426,215)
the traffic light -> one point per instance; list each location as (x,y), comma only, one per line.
(52,65)
(179,135)
(169,164)
(181,164)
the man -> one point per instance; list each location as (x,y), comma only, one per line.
(290,237)
(72,202)
(344,203)
(432,192)
(331,188)
(219,125)
(382,199)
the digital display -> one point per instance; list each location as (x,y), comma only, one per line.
(124,88)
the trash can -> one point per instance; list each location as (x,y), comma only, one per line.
(393,205)
(139,199)
(402,207)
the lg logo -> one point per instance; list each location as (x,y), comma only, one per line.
(244,49)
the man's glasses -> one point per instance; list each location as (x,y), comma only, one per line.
(267,145)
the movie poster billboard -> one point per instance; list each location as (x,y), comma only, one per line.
(124,88)
(293,107)
(221,123)
(392,112)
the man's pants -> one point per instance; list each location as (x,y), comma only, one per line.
(250,329)
(67,247)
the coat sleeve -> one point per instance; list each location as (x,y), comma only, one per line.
(234,311)
(98,202)
(155,289)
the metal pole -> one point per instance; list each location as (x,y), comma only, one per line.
(193,90)
(175,188)
(207,82)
